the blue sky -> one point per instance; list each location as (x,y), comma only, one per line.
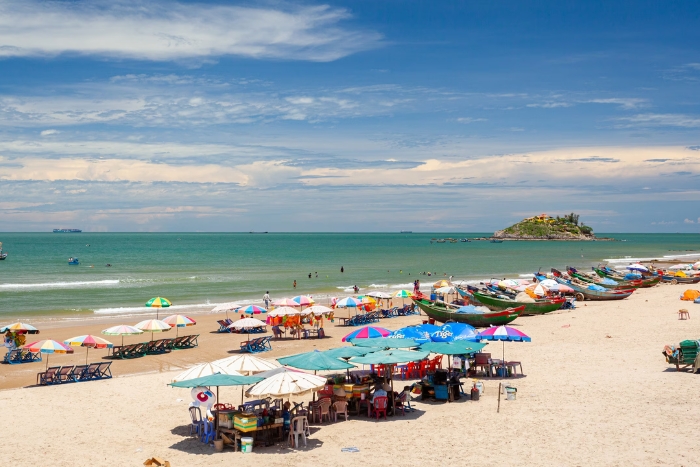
(348,116)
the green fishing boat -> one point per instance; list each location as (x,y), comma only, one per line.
(539,307)
(646,282)
(442,314)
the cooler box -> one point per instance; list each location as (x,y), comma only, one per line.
(225,421)
(348,388)
(441,392)
(245,423)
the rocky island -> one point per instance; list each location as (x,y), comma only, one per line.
(544,227)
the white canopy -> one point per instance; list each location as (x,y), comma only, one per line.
(230,306)
(246,364)
(204,369)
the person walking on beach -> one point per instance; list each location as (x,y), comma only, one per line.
(295,283)
(266,299)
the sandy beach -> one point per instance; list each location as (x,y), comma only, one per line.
(596,391)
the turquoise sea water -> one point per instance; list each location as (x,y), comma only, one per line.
(205,269)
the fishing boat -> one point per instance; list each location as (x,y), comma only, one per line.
(671,279)
(601,281)
(584,293)
(493,240)
(538,307)
(73,261)
(443,313)
(2,255)
(67,230)
(646,282)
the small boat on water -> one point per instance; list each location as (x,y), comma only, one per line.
(493,240)
(67,230)
(73,261)
(465,240)
(443,312)
(2,255)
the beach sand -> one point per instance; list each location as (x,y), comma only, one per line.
(597,391)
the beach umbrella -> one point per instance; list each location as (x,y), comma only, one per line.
(286,382)
(367,332)
(317,310)
(427,327)
(381,295)
(179,321)
(217,380)
(303,300)
(445,290)
(225,307)
(349,302)
(158,303)
(153,325)
(637,267)
(204,369)
(410,332)
(448,332)
(508,283)
(283,311)
(285,302)
(89,341)
(314,360)
(48,346)
(385,343)
(538,290)
(247,324)
(122,330)
(441,283)
(503,333)
(349,351)
(251,310)
(246,364)
(453,348)
(22,328)
(403,293)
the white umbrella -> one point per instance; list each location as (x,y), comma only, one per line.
(283,382)
(445,290)
(637,267)
(153,325)
(681,266)
(204,369)
(382,295)
(247,324)
(246,364)
(226,307)
(549,283)
(283,311)
(317,310)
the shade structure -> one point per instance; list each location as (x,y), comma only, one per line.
(382,295)
(88,341)
(503,333)
(246,364)
(225,308)
(349,302)
(411,332)
(391,357)
(153,325)
(217,380)
(247,323)
(179,321)
(303,300)
(450,332)
(537,290)
(350,351)
(441,283)
(637,267)
(19,327)
(453,348)
(314,360)
(427,327)
(48,346)
(286,382)
(158,302)
(285,302)
(403,293)
(122,330)
(252,310)
(385,343)
(367,332)
(283,311)
(317,310)
(445,290)
(204,369)
(508,283)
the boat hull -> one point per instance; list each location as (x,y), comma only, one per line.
(680,280)
(443,314)
(536,308)
(588,294)
(645,283)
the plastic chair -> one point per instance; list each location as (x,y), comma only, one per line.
(379,405)
(197,422)
(401,402)
(296,430)
(208,432)
(340,408)
(324,409)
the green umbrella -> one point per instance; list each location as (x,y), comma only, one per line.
(217,380)
(314,361)
(453,348)
(158,302)
(390,357)
(350,351)
(385,343)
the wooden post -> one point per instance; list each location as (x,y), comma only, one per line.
(499,398)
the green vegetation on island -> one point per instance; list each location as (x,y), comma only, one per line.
(544,227)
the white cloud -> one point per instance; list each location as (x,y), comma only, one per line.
(652,120)
(688,221)
(49,132)
(551,105)
(163,31)
(470,120)
(627,103)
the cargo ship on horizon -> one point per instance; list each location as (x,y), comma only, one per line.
(67,230)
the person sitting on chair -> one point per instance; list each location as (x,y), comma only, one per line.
(380,391)
(287,417)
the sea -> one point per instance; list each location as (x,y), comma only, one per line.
(119,272)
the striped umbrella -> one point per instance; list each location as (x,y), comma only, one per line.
(20,328)
(179,321)
(252,309)
(158,302)
(284,311)
(247,324)
(285,302)
(153,325)
(503,333)
(403,293)
(89,341)
(367,332)
(303,300)
(349,302)
(122,330)
(48,346)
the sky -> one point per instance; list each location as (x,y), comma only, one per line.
(453,116)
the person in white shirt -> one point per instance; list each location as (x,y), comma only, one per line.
(266,299)
(379,392)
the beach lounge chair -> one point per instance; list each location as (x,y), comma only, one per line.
(224,325)
(16,356)
(297,429)
(103,371)
(189,342)
(157,347)
(378,406)
(91,372)
(63,375)
(48,377)
(77,372)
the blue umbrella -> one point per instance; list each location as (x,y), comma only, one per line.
(454,332)
(429,328)
(410,332)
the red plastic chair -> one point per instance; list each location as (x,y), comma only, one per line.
(423,369)
(379,405)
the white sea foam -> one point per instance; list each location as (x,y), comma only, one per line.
(631,259)
(144,309)
(379,286)
(60,285)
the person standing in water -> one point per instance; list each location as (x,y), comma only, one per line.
(342,269)
(295,283)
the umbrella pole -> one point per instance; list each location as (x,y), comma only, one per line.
(86,354)
(47,361)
